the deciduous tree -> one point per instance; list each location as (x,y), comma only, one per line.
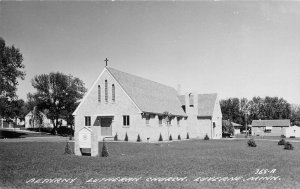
(231,109)
(11,69)
(244,108)
(59,94)
(227,127)
(235,109)
(295,114)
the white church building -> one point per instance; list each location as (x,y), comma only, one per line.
(121,104)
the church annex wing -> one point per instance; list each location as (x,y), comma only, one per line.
(206,103)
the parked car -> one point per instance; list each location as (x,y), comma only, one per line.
(226,135)
(245,132)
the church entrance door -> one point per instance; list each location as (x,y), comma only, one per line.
(106,126)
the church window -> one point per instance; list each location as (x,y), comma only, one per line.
(178,121)
(126,120)
(99,93)
(106,91)
(147,119)
(113,92)
(191,100)
(160,118)
(87,120)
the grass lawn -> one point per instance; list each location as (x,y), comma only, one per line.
(21,162)
(265,137)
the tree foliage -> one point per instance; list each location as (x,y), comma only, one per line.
(37,118)
(295,114)
(227,127)
(11,69)
(57,95)
(275,108)
(231,109)
(242,110)
(16,108)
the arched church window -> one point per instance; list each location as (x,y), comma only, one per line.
(106,91)
(99,93)
(191,100)
(113,92)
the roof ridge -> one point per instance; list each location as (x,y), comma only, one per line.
(202,94)
(269,119)
(123,88)
(148,95)
(208,94)
(140,77)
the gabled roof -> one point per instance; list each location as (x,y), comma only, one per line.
(31,113)
(236,124)
(227,122)
(149,96)
(46,117)
(206,103)
(271,123)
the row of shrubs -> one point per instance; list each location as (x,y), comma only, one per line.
(287,145)
(160,137)
(283,136)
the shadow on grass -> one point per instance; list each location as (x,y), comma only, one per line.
(11,134)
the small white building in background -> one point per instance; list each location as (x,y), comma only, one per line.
(237,128)
(293,131)
(46,123)
(29,121)
(270,127)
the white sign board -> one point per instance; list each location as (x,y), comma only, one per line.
(85,138)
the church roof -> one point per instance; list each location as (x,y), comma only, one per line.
(149,96)
(206,103)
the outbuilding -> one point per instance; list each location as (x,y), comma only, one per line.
(270,127)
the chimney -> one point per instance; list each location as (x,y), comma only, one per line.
(191,103)
(195,95)
(187,103)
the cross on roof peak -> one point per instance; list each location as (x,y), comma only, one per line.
(106,60)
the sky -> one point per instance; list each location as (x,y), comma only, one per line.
(235,49)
